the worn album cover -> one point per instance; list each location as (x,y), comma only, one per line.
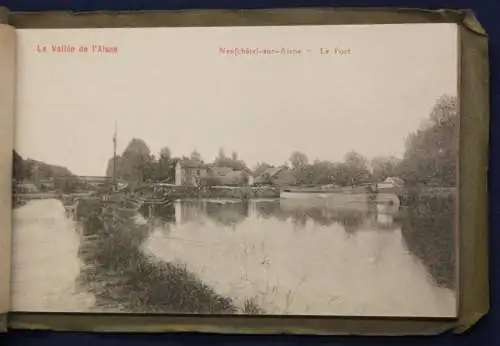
(7,59)
(278,171)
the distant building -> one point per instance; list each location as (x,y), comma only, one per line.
(391,182)
(47,184)
(276,176)
(26,187)
(220,171)
(251,179)
(235,175)
(235,178)
(193,173)
(190,172)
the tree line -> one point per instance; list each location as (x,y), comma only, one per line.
(137,163)
(38,172)
(429,158)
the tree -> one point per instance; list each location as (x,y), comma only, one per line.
(234,156)
(136,161)
(232,162)
(323,172)
(165,153)
(19,169)
(238,165)
(110,166)
(298,160)
(221,155)
(163,168)
(445,112)
(265,179)
(195,156)
(342,174)
(260,168)
(384,167)
(357,168)
(432,151)
(150,169)
(69,184)
(137,147)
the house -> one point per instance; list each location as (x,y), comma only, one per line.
(276,176)
(220,171)
(251,179)
(190,172)
(47,184)
(26,187)
(193,173)
(234,178)
(235,175)
(391,182)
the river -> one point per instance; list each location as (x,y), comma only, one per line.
(283,258)
(45,262)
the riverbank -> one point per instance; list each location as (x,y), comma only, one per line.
(17,203)
(122,277)
(427,195)
(431,231)
(239,192)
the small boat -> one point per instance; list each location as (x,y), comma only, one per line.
(122,205)
(133,203)
(124,211)
(154,201)
(345,195)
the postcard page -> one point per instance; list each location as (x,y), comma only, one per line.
(272,170)
(7,87)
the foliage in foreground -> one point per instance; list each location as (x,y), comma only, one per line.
(120,275)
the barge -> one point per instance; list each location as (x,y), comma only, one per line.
(383,197)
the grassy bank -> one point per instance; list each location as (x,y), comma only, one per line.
(429,228)
(431,196)
(239,192)
(121,276)
(18,202)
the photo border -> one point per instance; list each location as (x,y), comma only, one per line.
(473,98)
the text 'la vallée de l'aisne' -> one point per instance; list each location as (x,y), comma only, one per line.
(68,48)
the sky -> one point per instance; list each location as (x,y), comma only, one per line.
(173,87)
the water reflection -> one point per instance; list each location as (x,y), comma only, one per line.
(293,257)
(232,213)
(229,256)
(427,228)
(123,278)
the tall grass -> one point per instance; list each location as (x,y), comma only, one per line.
(429,227)
(118,273)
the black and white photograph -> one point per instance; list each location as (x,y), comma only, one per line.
(264,170)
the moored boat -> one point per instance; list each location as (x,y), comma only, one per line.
(153,200)
(345,195)
(133,203)
(124,211)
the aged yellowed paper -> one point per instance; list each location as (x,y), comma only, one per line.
(109,282)
(261,196)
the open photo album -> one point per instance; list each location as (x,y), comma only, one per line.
(235,171)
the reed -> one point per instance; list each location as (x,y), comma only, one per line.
(119,274)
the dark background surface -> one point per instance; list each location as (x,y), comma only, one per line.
(486,332)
